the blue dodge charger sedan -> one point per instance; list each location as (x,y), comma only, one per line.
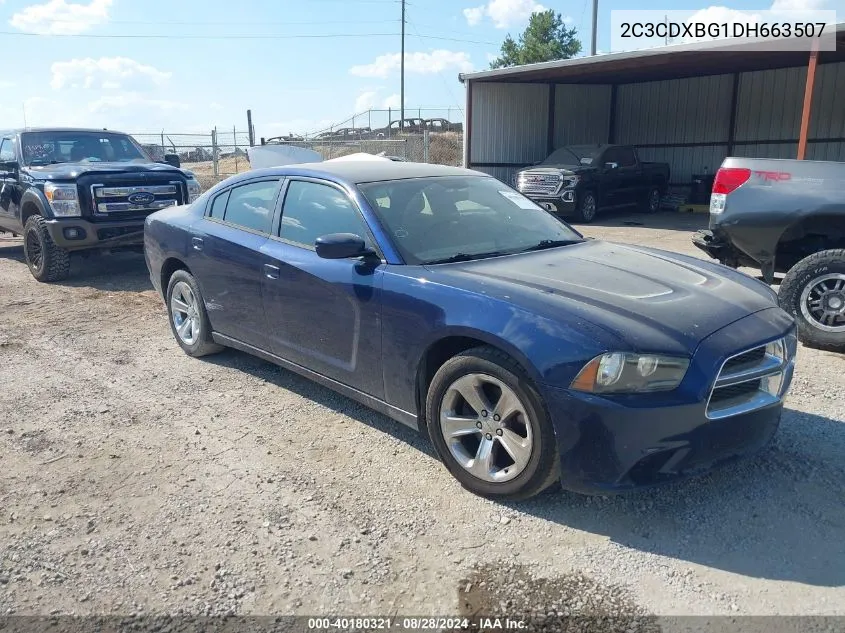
(450,302)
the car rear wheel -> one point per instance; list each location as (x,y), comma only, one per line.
(587,207)
(489,426)
(813,292)
(188,317)
(47,262)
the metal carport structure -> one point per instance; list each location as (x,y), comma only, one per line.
(690,105)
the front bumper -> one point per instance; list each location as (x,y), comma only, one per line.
(564,203)
(613,445)
(95,235)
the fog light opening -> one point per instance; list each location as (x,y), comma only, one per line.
(74,233)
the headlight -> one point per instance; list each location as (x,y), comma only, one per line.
(63,199)
(570,181)
(194,190)
(618,372)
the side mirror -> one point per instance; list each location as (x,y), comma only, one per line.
(10,167)
(172,160)
(611,166)
(341,246)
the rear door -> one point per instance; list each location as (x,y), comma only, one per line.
(324,314)
(227,259)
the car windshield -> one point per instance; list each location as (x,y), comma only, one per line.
(50,148)
(460,218)
(573,155)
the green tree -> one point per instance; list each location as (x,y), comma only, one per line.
(545,39)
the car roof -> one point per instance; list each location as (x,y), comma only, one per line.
(359,172)
(59,129)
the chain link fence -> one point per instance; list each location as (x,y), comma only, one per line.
(217,155)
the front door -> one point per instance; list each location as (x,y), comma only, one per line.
(10,190)
(227,260)
(324,314)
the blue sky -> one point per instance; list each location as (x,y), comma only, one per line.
(90,62)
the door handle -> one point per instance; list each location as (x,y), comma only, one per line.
(196,242)
(271,272)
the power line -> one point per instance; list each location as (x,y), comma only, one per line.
(262,23)
(235,37)
(442,78)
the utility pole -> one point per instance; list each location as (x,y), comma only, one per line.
(402,74)
(595,26)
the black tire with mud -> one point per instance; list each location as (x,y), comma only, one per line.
(543,468)
(47,262)
(204,344)
(803,274)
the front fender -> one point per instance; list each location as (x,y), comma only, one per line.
(33,196)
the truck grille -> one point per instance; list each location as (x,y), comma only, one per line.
(539,182)
(135,198)
(752,380)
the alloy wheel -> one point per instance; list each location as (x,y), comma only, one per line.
(486,427)
(185,313)
(823,302)
(34,251)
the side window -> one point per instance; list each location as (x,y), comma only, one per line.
(7,150)
(251,206)
(312,210)
(626,157)
(611,156)
(218,207)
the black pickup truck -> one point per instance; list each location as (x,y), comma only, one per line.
(583,180)
(78,190)
(786,216)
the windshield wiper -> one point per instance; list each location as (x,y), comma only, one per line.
(465,257)
(544,244)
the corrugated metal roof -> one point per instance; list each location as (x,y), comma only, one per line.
(665,62)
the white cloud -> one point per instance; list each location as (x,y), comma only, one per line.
(393,101)
(798,5)
(366,101)
(108,73)
(504,13)
(59,17)
(419,63)
(133,100)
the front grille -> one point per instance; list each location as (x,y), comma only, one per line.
(751,380)
(539,183)
(128,201)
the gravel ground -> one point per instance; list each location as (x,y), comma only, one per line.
(138,480)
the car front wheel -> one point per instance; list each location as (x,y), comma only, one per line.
(587,207)
(47,262)
(489,426)
(188,317)
(813,292)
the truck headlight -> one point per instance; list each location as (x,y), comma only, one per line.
(194,190)
(63,199)
(618,372)
(570,181)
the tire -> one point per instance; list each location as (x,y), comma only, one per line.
(529,425)
(588,208)
(182,289)
(651,204)
(47,262)
(818,278)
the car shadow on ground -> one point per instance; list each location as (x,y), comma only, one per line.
(779,515)
(309,389)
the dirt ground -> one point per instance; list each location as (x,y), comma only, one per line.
(136,479)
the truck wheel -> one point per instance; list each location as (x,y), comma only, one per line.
(813,292)
(46,261)
(587,207)
(652,201)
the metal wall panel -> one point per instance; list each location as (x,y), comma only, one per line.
(509,122)
(828,114)
(684,162)
(826,151)
(582,114)
(505,174)
(769,104)
(693,110)
(767,150)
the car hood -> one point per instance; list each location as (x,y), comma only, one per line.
(74,170)
(564,169)
(651,299)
